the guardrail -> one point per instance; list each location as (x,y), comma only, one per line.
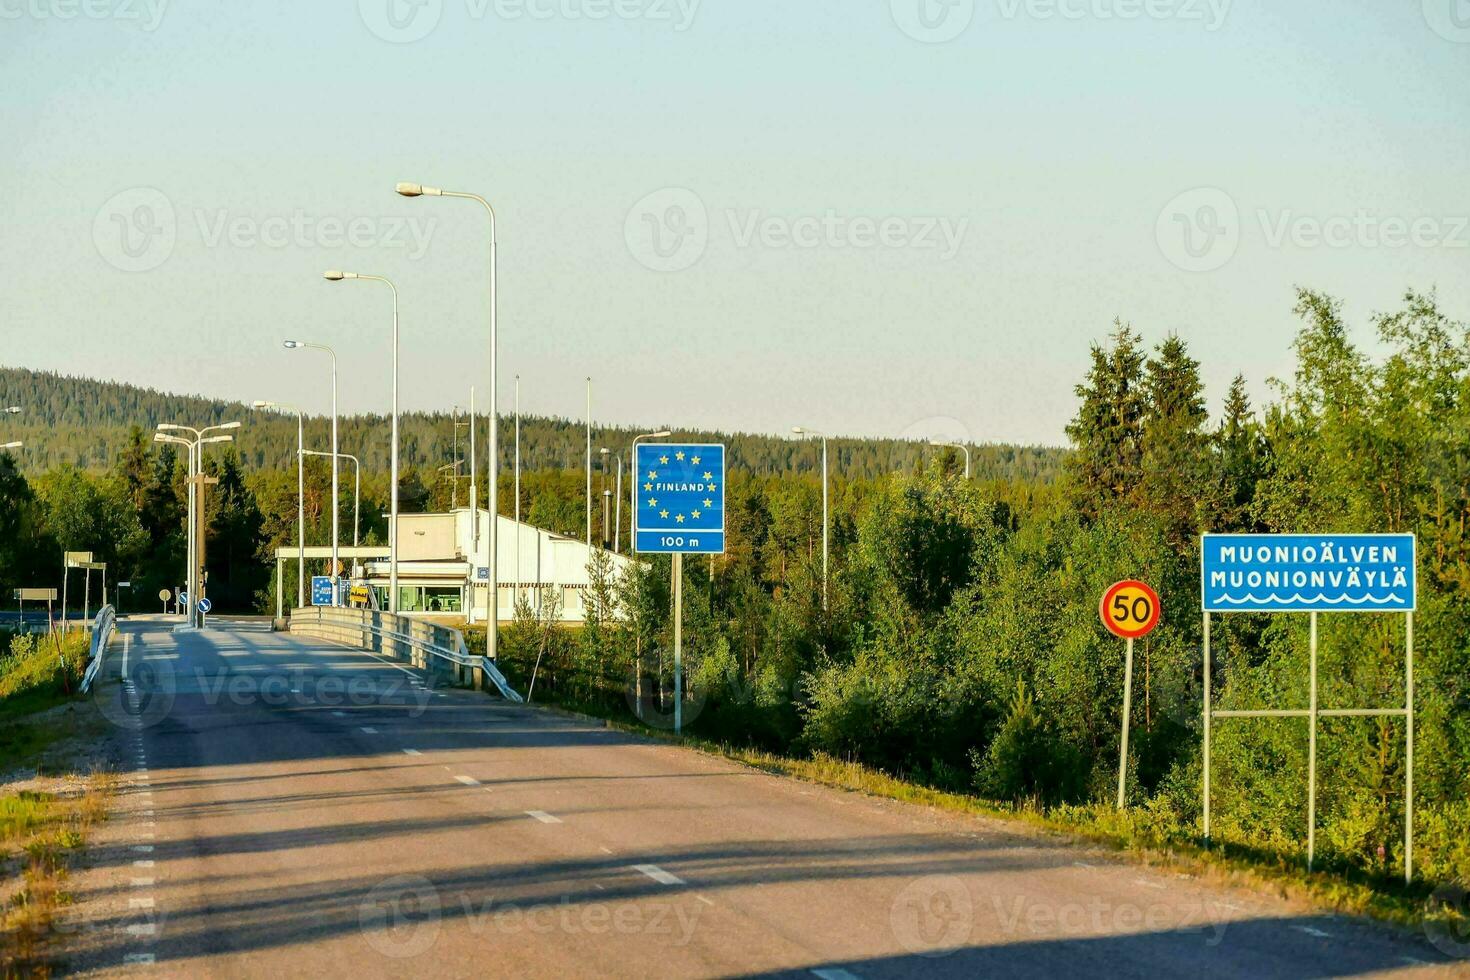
(415,640)
(102,629)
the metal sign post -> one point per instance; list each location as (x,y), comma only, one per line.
(678,499)
(678,642)
(69,560)
(1129,609)
(1312,573)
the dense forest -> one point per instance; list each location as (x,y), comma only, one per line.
(85,423)
(960,645)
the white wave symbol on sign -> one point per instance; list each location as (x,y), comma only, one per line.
(1320,597)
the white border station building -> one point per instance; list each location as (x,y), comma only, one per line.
(443,571)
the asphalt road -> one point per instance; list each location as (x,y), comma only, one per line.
(300,809)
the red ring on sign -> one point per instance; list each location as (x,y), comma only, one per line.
(1148,624)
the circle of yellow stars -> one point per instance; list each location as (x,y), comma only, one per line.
(653,475)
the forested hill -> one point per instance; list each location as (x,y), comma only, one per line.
(85,422)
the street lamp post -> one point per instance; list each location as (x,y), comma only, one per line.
(516,592)
(617,496)
(798,430)
(589,465)
(336,495)
(940,443)
(493,627)
(474,483)
(192,578)
(300,498)
(335,275)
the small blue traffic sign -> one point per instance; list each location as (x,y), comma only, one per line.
(321,590)
(679,498)
(183,597)
(205,605)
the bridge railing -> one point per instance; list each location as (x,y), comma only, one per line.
(102,629)
(425,645)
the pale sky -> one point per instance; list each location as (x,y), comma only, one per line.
(862,216)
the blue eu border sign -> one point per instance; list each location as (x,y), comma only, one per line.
(321,590)
(1307,572)
(678,498)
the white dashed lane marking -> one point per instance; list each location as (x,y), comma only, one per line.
(369,731)
(658,874)
(542,815)
(1313,932)
(412,752)
(468,780)
(143,929)
(141,959)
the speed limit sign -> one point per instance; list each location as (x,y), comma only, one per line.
(1129,609)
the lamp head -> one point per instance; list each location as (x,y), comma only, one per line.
(168,427)
(291,344)
(336,275)
(798,430)
(415,190)
(260,404)
(228,425)
(662,434)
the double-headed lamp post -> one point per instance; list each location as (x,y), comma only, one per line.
(300,497)
(336,496)
(493,618)
(941,444)
(335,275)
(798,430)
(196,466)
